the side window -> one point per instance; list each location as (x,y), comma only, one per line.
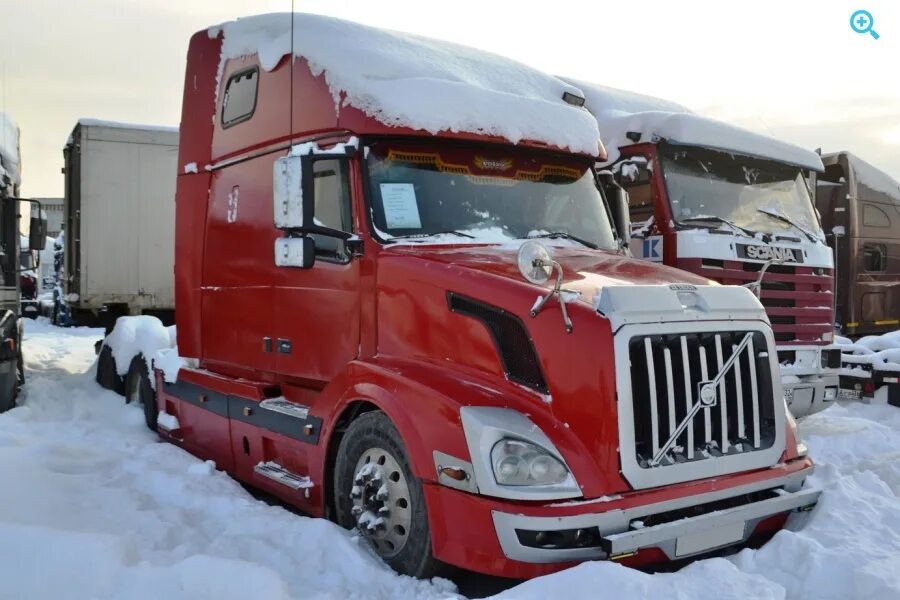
(634,176)
(875,257)
(875,217)
(332,207)
(239,101)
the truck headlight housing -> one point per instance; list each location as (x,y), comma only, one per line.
(517,462)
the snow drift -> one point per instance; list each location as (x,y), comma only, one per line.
(406,80)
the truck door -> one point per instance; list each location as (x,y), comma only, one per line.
(317,310)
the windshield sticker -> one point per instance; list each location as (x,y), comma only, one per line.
(401,211)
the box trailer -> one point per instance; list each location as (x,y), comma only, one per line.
(359,258)
(119,221)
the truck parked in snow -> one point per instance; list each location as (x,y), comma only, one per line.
(12,374)
(119,213)
(402,304)
(860,208)
(732,206)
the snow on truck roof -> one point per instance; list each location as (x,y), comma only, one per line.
(406,80)
(9,149)
(120,125)
(619,112)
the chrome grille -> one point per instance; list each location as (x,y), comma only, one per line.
(667,375)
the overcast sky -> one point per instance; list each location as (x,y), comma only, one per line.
(789,68)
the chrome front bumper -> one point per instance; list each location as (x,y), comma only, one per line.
(620,532)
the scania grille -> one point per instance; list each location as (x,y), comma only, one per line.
(797,299)
(667,373)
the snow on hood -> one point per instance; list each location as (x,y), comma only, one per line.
(405,80)
(619,112)
(9,149)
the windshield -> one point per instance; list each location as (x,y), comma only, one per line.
(467,193)
(707,183)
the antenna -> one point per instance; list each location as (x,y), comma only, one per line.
(291,67)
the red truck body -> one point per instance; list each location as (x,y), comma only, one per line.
(417,332)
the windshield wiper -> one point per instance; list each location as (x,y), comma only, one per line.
(562,234)
(434,233)
(744,230)
(780,217)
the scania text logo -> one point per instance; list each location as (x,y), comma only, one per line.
(769,253)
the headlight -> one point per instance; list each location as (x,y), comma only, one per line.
(522,463)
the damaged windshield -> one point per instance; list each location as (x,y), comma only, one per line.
(467,193)
(708,188)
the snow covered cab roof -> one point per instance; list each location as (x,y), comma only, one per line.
(405,80)
(9,149)
(867,174)
(619,112)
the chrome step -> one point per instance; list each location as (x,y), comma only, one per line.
(275,472)
(285,407)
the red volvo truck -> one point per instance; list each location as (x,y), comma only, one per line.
(358,256)
(735,207)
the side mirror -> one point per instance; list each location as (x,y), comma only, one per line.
(299,252)
(621,214)
(37,234)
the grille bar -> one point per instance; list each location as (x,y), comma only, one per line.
(667,382)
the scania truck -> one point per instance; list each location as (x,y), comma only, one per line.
(735,207)
(402,304)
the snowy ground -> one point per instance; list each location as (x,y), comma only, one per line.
(93,506)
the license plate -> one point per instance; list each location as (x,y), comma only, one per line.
(850,394)
(709,539)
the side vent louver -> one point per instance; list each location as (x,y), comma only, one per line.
(514,345)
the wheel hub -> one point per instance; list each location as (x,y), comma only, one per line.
(381,502)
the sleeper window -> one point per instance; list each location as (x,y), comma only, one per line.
(875,217)
(332,207)
(240,97)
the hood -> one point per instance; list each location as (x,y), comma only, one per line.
(585,271)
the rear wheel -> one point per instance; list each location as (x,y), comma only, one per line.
(139,390)
(376,492)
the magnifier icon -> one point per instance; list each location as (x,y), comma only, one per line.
(861,22)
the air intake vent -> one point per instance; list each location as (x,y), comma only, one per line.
(514,345)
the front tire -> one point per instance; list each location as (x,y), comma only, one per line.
(139,390)
(376,492)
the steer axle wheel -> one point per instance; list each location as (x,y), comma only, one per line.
(376,493)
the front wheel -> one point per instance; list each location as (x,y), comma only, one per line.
(376,492)
(139,390)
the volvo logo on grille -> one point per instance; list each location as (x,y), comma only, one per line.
(777,253)
(683,287)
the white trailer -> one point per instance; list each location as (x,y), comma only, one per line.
(119,221)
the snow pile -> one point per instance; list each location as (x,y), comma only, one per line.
(9,149)
(95,507)
(405,80)
(872,352)
(619,112)
(131,336)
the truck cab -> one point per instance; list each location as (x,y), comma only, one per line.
(402,305)
(734,207)
(860,207)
